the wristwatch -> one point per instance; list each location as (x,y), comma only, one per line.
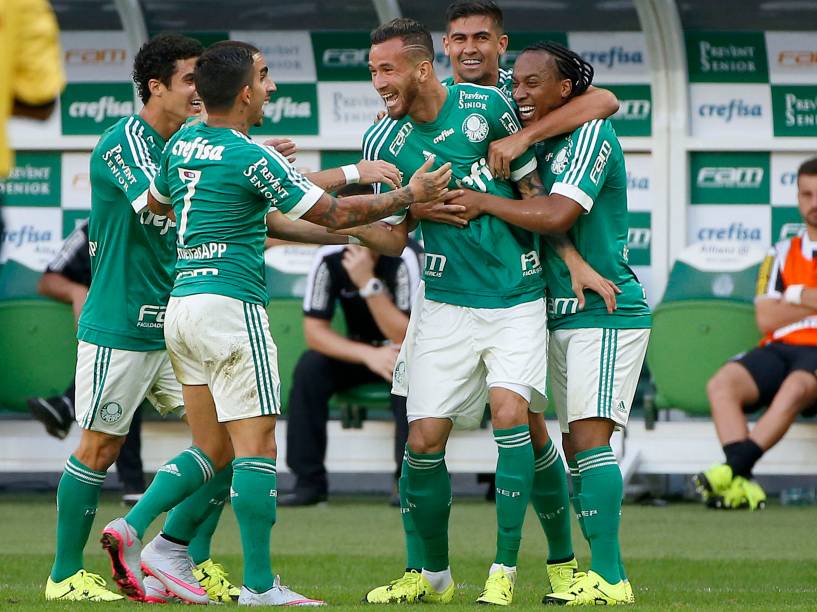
(375,286)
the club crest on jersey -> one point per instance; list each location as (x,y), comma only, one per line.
(559,161)
(475,128)
(399,140)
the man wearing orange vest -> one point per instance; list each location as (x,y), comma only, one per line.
(781,373)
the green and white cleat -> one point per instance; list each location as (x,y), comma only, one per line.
(713,482)
(590,590)
(562,575)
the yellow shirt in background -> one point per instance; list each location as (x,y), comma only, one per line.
(30,62)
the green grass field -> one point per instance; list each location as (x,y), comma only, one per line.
(679,557)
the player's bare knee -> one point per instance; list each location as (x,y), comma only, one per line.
(508,409)
(801,387)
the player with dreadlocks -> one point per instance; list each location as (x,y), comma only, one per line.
(595,356)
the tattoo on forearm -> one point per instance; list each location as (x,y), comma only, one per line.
(359,210)
(530,186)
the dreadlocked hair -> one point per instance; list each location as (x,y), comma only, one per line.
(570,65)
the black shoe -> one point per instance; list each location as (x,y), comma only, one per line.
(54,413)
(302,498)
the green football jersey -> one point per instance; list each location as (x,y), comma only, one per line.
(587,166)
(132,250)
(489,263)
(221,185)
(504,83)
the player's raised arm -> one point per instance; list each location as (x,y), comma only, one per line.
(353,211)
(365,172)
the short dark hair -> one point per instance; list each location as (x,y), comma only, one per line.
(569,64)
(413,34)
(157,58)
(221,72)
(469,8)
(808,167)
(235,43)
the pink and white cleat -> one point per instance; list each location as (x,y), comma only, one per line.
(170,564)
(124,548)
(278,595)
(156,593)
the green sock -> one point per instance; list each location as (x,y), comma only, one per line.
(192,520)
(429,496)
(175,480)
(576,479)
(254,498)
(77,499)
(414,543)
(550,499)
(514,480)
(600,498)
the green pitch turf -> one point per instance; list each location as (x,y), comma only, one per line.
(679,557)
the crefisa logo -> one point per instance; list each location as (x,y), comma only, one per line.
(734,231)
(736,108)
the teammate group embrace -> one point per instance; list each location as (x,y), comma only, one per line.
(519,185)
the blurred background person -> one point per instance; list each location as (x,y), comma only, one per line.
(781,373)
(31,73)
(375,293)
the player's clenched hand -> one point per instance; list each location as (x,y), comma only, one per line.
(284,146)
(379,171)
(426,186)
(582,277)
(502,152)
(442,211)
(381,359)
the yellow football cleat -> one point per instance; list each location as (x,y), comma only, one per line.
(742,494)
(590,590)
(628,590)
(713,482)
(411,587)
(498,589)
(82,586)
(562,575)
(213,578)
(445,597)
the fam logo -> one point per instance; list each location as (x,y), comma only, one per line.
(110,412)
(397,144)
(736,108)
(797,59)
(530,263)
(345,58)
(95,57)
(730,177)
(633,110)
(434,264)
(475,127)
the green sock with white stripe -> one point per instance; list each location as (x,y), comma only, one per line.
(175,480)
(576,479)
(253,497)
(77,499)
(414,543)
(600,498)
(514,480)
(429,495)
(550,499)
(185,521)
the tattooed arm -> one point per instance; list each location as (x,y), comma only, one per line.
(352,211)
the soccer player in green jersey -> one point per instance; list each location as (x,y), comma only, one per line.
(482,318)
(595,354)
(220,185)
(474,41)
(121,358)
